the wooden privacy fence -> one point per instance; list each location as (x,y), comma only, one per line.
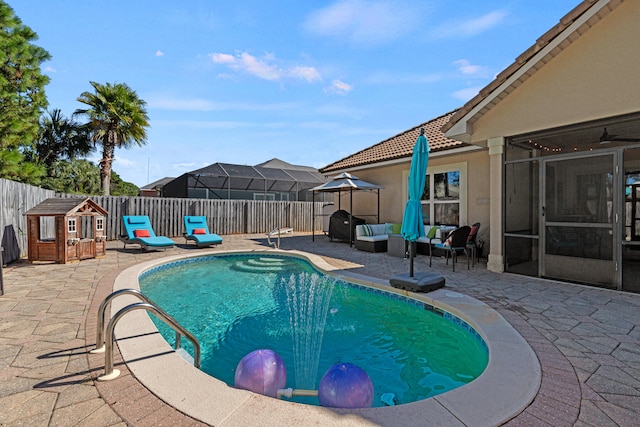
(224,216)
(15,199)
(166,214)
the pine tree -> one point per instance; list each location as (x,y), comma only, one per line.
(22,95)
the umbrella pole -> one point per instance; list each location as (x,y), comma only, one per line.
(411,258)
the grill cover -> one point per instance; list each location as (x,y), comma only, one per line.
(339,225)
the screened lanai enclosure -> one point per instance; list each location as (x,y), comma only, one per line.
(273,180)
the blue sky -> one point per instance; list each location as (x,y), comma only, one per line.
(307,82)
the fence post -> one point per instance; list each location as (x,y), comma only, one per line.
(1,283)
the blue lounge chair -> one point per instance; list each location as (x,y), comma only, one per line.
(139,230)
(196,229)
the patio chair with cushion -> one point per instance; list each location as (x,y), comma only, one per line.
(471,242)
(196,229)
(456,242)
(138,230)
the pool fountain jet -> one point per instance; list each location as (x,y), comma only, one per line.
(308,298)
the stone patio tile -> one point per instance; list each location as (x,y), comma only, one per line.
(605,359)
(55,327)
(619,375)
(594,416)
(526,419)
(14,386)
(168,417)
(602,345)
(604,385)
(618,414)
(31,307)
(17,328)
(627,352)
(553,411)
(133,410)
(26,405)
(582,375)
(573,347)
(589,394)
(47,372)
(75,413)
(75,395)
(103,416)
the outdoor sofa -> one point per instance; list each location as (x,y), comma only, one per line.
(374,237)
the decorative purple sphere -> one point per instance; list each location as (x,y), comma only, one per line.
(345,385)
(261,371)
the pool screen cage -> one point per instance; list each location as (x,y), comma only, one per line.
(230,181)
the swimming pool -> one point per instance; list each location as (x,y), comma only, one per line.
(507,386)
(236,303)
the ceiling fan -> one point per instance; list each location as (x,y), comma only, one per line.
(606,138)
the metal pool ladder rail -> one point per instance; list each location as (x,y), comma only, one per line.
(106,345)
(276,232)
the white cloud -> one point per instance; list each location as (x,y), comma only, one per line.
(363,22)
(266,68)
(309,74)
(470,27)
(159,53)
(222,58)
(339,87)
(465,67)
(466,94)
(49,69)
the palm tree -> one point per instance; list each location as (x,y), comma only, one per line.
(117,118)
(59,138)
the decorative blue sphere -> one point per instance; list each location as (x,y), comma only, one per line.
(261,371)
(345,385)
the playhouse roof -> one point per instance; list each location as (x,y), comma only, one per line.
(69,206)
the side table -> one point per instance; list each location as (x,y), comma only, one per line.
(397,246)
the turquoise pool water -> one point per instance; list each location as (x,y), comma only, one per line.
(235,304)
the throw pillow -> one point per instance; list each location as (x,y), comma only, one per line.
(396,228)
(367,230)
(432,233)
(388,228)
(199,231)
(141,233)
(472,233)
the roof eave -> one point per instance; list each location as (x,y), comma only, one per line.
(404,159)
(461,128)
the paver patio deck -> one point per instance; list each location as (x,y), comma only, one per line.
(586,339)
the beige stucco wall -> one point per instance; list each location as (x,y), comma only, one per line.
(594,77)
(393,196)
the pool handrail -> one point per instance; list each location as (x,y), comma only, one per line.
(105,344)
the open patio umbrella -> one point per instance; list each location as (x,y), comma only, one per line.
(412,225)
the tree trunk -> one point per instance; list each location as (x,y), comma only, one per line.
(108,148)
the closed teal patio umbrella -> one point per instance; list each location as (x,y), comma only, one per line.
(412,225)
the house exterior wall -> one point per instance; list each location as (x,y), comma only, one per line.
(594,77)
(475,190)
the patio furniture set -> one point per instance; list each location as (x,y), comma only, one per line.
(444,239)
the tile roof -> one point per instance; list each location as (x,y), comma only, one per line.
(399,146)
(543,41)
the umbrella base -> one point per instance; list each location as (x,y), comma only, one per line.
(420,282)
